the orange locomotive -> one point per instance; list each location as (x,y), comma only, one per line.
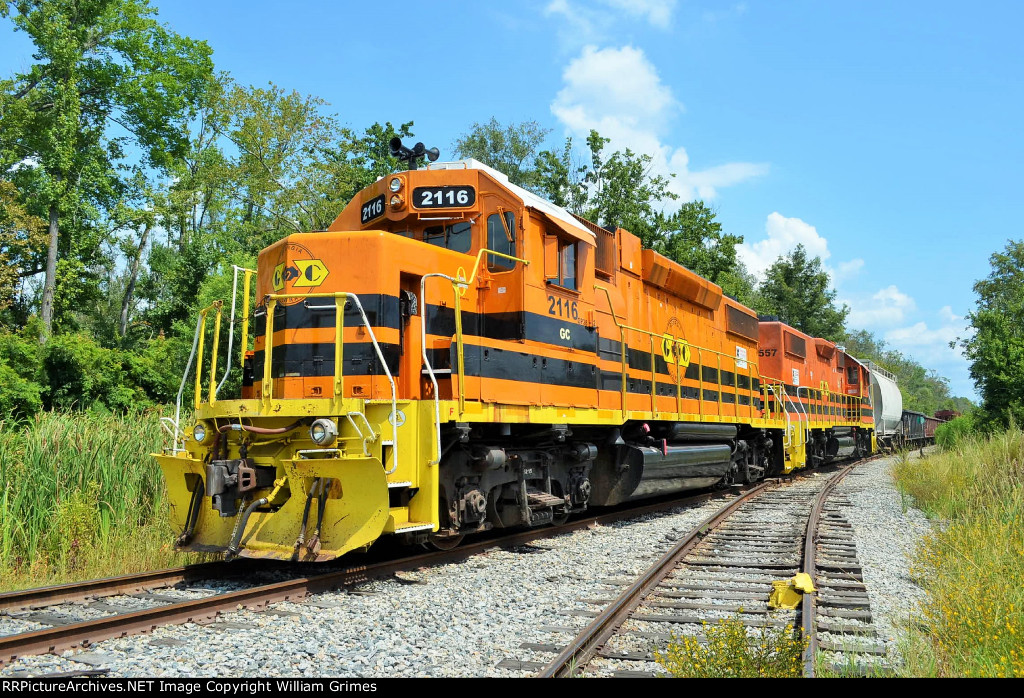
(456,354)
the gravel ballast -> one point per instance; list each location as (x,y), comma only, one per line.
(466,618)
(888,532)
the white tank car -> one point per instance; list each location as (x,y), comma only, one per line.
(886,401)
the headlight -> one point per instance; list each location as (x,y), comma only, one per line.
(397,201)
(323,432)
(396,184)
(199,432)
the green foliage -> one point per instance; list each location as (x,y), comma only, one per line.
(510,149)
(733,652)
(973,565)
(19,397)
(107,78)
(694,238)
(956,432)
(798,290)
(996,349)
(73,484)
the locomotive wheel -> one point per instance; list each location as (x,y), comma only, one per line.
(558,519)
(443,543)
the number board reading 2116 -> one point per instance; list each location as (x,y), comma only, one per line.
(443,197)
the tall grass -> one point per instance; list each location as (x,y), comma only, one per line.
(80,497)
(972,566)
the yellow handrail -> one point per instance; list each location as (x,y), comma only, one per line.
(700,360)
(218,306)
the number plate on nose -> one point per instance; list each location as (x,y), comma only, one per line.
(443,197)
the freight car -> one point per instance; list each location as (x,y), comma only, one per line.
(456,354)
(917,429)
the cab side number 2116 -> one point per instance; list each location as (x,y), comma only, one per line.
(561,308)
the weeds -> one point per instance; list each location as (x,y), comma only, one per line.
(973,566)
(80,497)
(732,651)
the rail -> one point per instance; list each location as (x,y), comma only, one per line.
(267,393)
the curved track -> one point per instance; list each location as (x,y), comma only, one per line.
(733,559)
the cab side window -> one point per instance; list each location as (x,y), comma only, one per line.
(567,265)
(501,237)
(560,262)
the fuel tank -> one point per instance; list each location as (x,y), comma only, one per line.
(630,472)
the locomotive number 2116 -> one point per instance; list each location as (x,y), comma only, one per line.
(561,308)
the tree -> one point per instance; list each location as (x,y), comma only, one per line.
(695,239)
(561,178)
(108,77)
(797,289)
(22,237)
(511,149)
(996,349)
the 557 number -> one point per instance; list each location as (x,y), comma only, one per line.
(561,308)
(766,352)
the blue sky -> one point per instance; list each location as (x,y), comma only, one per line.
(886,137)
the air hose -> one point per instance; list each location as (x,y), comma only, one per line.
(314,542)
(240,524)
(193,514)
(300,541)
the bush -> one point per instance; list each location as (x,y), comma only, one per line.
(953,433)
(732,652)
(19,398)
(21,394)
(81,374)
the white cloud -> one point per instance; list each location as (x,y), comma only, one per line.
(847,270)
(584,22)
(886,308)
(919,335)
(783,235)
(618,93)
(30,163)
(947,315)
(657,12)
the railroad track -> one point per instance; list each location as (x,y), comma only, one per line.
(82,614)
(724,568)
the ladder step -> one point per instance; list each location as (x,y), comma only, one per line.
(543,499)
(393,485)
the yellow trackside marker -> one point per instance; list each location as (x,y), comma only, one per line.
(279,277)
(312,272)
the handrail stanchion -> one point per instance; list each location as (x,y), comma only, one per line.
(339,345)
(213,354)
(268,352)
